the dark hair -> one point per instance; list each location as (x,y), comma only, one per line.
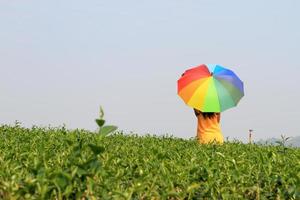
(206,115)
(209,115)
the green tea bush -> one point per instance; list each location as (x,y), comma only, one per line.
(56,163)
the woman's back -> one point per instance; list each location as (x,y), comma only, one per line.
(208,129)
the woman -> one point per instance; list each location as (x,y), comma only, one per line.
(208,129)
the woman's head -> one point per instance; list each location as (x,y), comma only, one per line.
(209,115)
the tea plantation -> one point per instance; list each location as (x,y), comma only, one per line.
(55,163)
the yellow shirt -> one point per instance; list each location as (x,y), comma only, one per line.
(209,129)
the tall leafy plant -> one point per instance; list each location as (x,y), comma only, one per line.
(104,129)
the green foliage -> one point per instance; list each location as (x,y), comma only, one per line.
(283,143)
(100,122)
(104,130)
(55,163)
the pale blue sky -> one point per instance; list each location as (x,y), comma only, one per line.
(60,60)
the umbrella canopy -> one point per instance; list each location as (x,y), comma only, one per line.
(210,88)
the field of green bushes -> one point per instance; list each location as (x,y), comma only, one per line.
(56,163)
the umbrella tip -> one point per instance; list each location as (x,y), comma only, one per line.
(211,73)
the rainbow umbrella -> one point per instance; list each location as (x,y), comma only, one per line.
(210,88)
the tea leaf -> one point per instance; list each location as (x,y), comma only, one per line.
(106,130)
(96,149)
